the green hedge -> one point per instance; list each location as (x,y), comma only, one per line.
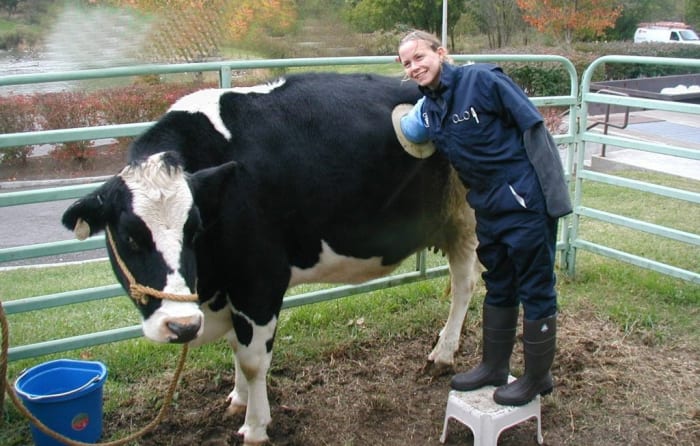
(140,102)
(548,79)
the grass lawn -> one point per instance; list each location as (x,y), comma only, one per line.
(647,308)
(7,26)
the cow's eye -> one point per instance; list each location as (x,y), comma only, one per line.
(133,244)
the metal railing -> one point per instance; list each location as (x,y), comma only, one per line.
(224,70)
(587,137)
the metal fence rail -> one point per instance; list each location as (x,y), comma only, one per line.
(588,136)
(224,70)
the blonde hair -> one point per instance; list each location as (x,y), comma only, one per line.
(424,36)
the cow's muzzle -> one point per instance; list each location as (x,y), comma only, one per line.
(184,330)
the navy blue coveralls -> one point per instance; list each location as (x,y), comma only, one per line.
(477,118)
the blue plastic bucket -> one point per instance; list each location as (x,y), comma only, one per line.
(65,395)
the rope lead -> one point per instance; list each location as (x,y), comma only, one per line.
(5,388)
(137,292)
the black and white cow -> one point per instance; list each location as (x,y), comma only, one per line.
(239,194)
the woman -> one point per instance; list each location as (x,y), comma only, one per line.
(495,139)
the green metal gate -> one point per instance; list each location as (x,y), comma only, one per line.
(224,71)
(677,152)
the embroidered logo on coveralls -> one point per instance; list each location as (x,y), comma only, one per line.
(465,116)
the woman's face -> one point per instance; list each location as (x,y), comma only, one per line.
(421,62)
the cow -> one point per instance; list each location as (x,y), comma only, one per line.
(235,195)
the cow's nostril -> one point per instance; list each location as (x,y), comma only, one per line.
(184,332)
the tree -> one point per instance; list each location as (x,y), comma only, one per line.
(638,11)
(692,14)
(570,18)
(9,5)
(497,19)
(374,15)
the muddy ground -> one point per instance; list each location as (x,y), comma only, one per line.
(611,390)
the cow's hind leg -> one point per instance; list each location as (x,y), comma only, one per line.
(253,350)
(464,272)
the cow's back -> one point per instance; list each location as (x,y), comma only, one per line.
(322,160)
(329,164)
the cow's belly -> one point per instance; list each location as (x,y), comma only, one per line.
(335,268)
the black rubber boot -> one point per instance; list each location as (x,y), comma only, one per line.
(498,328)
(539,343)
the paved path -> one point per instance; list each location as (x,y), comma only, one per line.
(39,223)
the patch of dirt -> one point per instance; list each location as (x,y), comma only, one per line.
(610,390)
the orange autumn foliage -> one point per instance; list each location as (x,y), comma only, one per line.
(568,18)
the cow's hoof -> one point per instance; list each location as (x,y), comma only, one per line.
(235,409)
(436,369)
(253,436)
(255,443)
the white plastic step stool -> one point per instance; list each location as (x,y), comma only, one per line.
(478,411)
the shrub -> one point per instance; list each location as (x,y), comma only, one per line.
(540,79)
(141,102)
(67,110)
(16,115)
(632,71)
(544,78)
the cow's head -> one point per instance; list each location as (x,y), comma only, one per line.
(151,221)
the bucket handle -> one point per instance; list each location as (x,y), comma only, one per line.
(31,397)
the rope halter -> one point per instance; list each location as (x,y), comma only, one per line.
(138,292)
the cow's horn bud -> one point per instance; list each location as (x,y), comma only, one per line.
(81,230)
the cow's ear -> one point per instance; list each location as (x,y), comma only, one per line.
(207,185)
(85,217)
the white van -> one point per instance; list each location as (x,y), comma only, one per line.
(667,32)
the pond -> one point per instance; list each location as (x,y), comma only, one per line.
(79,38)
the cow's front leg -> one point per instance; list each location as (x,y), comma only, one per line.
(253,350)
(238,398)
(257,417)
